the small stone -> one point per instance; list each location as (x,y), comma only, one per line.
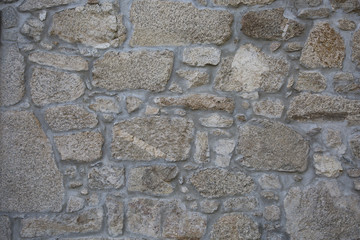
(307,3)
(115,215)
(84,191)
(355,145)
(175,88)
(354,172)
(75,204)
(353,120)
(93,200)
(345,83)
(241,117)
(75,184)
(269,108)
(310,81)
(314,13)
(80,147)
(5,230)
(241,204)
(108,118)
(33,28)
(209,206)
(202,153)
(42,15)
(201,56)
(346,25)
(223,149)
(269,181)
(220,132)
(333,138)
(324,48)
(356,185)
(270,25)
(293,46)
(327,166)
(70,171)
(236,3)
(66,62)
(150,110)
(107,177)
(9,17)
(194,78)
(31,5)
(272,213)
(133,104)
(105,105)
(346,5)
(356,48)
(274,46)
(269,195)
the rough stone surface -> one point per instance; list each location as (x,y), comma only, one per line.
(293,46)
(269,108)
(30,5)
(333,138)
(5,231)
(356,48)
(105,105)
(115,215)
(66,62)
(9,17)
(194,78)
(327,165)
(209,206)
(33,28)
(269,145)
(241,204)
(345,83)
(217,120)
(236,3)
(269,181)
(354,172)
(307,3)
(201,56)
(159,23)
(106,177)
(149,70)
(346,25)
(75,204)
(355,145)
(346,5)
(310,81)
(314,13)
(202,153)
(223,149)
(272,213)
(133,104)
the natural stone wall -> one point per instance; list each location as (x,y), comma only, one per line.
(180,119)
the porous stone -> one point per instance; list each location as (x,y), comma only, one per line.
(106,177)
(235,226)
(270,145)
(149,70)
(75,204)
(115,215)
(269,195)
(12,82)
(159,23)
(215,182)
(151,110)
(241,204)
(236,3)
(307,3)
(133,104)
(86,221)
(200,101)
(31,5)
(293,46)
(202,152)
(345,83)
(356,184)
(356,48)
(251,70)
(9,17)
(353,172)
(105,105)
(223,149)
(5,231)
(149,138)
(98,26)
(217,120)
(324,48)
(310,81)
(322,211)
(25,150)
(346,5)
(333,138)
(66,62)
(269,181)
(194,78)
(50,86)
(314,13)
(154,179)
(209,206)
(201,56)
(346,25)
(270,25)
(80,147)
(274,46)
(272,213)
(269,108)
(327,165)
(33,28)
(355,145)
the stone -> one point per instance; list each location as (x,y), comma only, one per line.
(151,110)
(106,177)
(236,3)
(200,101)
(322,211)
(269,195)
(310,81)
(31,5)
(241,204)
(235,226)
(356,183)
(69,117)
(314,13)
(25,150)
(66,62)
(272,213)
(133,104)
(327,166)
(307,3)
(322,107)
(270,25)
(5,230)
(270,145)
(87,221)
(153,180)
(166,23)
(346,5)
(12,69)
(75,204)
(346,25)
(293,46)
(217,120)
(194,78)
(115,215)
(269,108)
(144,69)
(80,147)
(355,145)
(251,70)
(356,48)
(9,17)
(223,149)
(202,152)
(149,138)
(33,28)
(201,56)
(97,26)
(175,88)
(345,83)
(209,206)
(50,86)
(354,172)
(269,181)
(324,48)
(105,105)
(216,182)
(274,46)
(333,138)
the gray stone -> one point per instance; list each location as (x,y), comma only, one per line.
(345,83)
(75,204)
(66,62)
(149,70)
(314,13)
(9,17)
(161,23)
(25,150)
(201,56)
(333,138)
(270,145)
(353,172)
(346,25)
(149,138)
(272,213)
(269,195)
(202,152)
(30,5)
(307,3)
(106,177)
(194,78)
(269,108)
(105,105)
(33,28)
(115,215)
(274,46)
(346,5)
(209,206)
(223,149)
(356,48)
(327,166)
(269,181)
(12,82)
(5,231)
(241,204)
(236,3)
(293,46)
(133,104)
(355,145)
(217,120)
(310,81)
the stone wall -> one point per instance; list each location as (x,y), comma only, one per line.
(165,119)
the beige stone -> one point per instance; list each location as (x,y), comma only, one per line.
(106,177)
(356,48)
(269,108)
(310,81)
(66,62)
(30,5)
(194,78)
(209,206)
(223,149)
(33,28)
(151,110)
(346,5)
(272,213)
(293,46)
(202,152)
(201,56)
(333,138)
(75,204)
(236,3)
(345,83)
(5,231)
(133,104)
(353,172)
(269,181)
(355,145)
(241,204)
(346,24)
(314,13)
(327,165)
(115,215)
(217,120)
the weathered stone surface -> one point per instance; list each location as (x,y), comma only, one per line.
(105,105)
(30,5)
(209,206)
(199,102)
(251,70)
(107,177)
(269,195)
(149,70)
(25,150)
(98,26)
(66,62)
(314,13)
(346,25)
(84,222)
(307,3)
(213,182)
(201,56)
(356,48)
(272,213)
(115,215)
(69,117)
(346,5)
(269,108)
(322,107)
(9,17)
(194,78)
(12,68)
(217,120)
(344,83)
(322,211)
(355,145)
(323,48)
(270,25)
(33,28)
(235,226)
(236,3)
(154,179)
(327,165)
(49,86)
(75,204)
(223,150)
(5,231)
(148,138)
(274,46)
(353,172)
(80,147)
(133,104)
(159,23)
(293,46)
(334,139)
(269,181)
(241,204)
(310,81)
(202,152)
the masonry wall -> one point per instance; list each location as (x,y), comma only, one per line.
(164,119)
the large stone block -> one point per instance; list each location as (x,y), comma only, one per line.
(30,5)
(66,62)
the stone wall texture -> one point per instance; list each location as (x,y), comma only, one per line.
(180,119)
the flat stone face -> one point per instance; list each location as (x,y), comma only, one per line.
(115,213)
(223,149)
(346,25)
(133,104)
(270,25)
(202,152)
(33,28)
(310,81)
(12,68)
(84,222)
(327,165)
(106,177)
(213,182)
(9,17)
(75,204)
(314,13)
(30,5)
(356,48)
(66,62)
(324,48)
(251,70)
(322,211)
(236,3)
(69,117)
(149,138)
(270,145)
(25,150)
(209,206)
(269,108)
(344,83)
(272,213)
(355,146)
(241,204)
(164,23)
(201,56)
(149,70)
(194,78)
(105,105)
(50,86)
(5,232)
(269,181)
(217,120)
(346,5)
